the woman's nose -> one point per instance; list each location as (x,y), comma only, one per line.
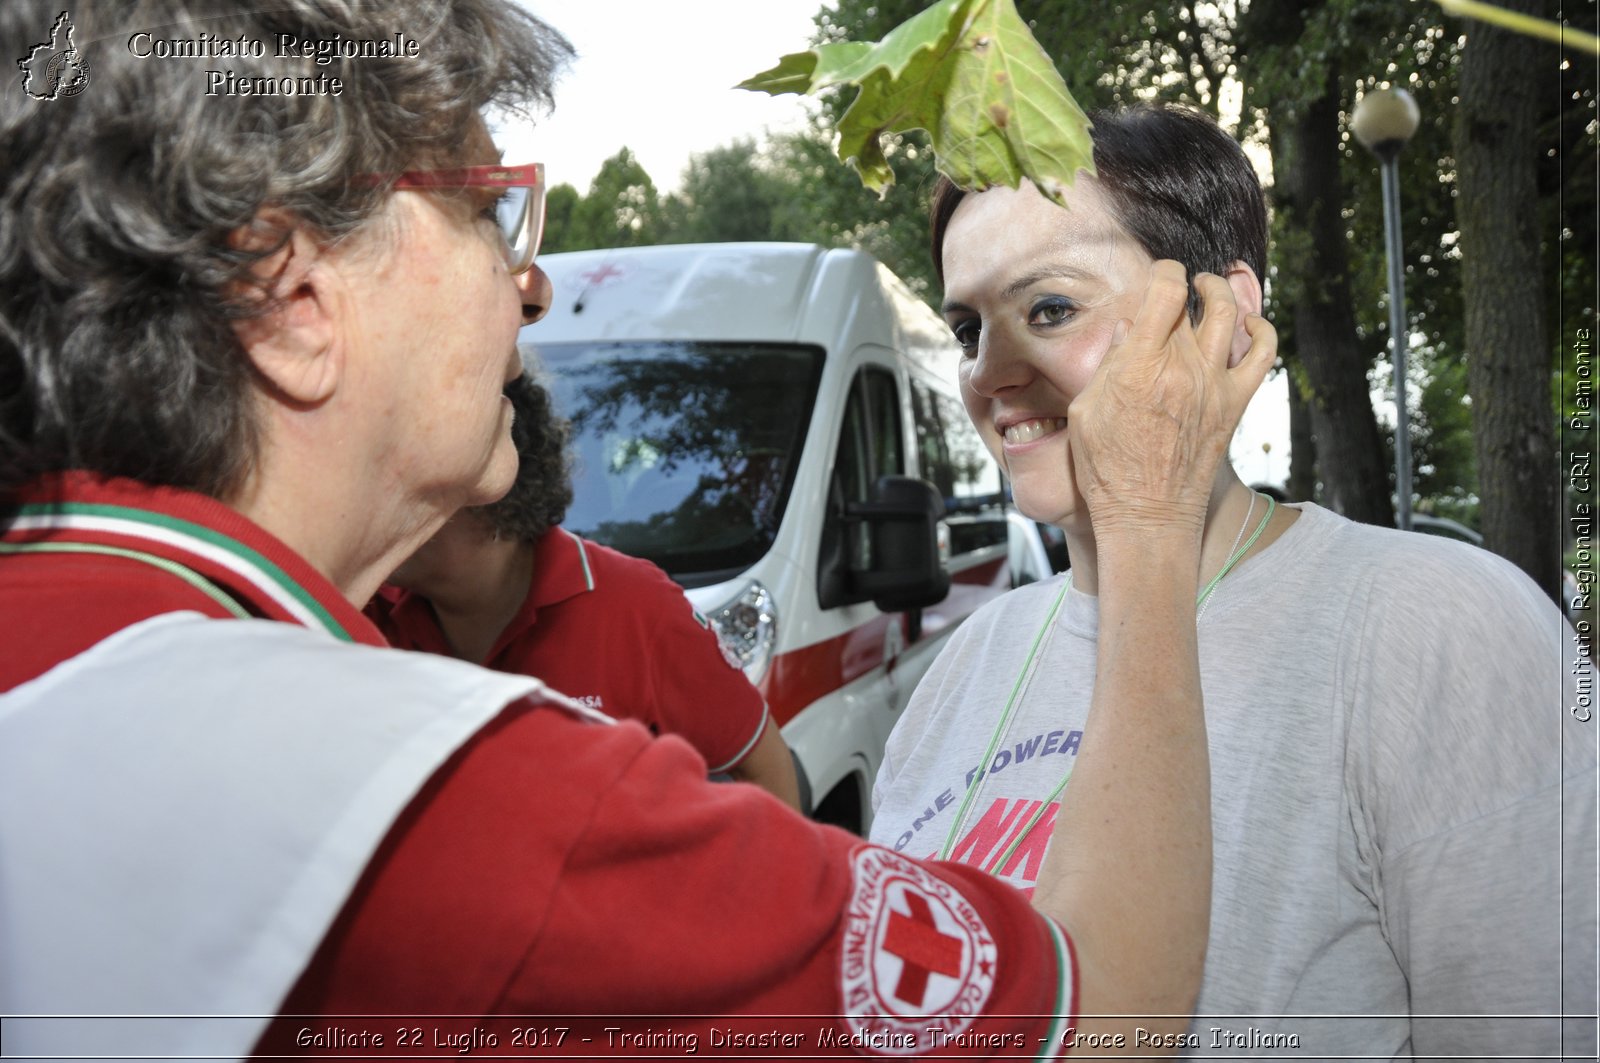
(534,286)
(998,365)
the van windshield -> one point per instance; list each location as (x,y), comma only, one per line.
(684,451)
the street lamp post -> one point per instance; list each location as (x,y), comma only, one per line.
(1384,120)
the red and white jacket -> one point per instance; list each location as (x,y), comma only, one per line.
(267,818)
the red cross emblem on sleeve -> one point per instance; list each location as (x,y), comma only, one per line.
(917,940)
(915,958)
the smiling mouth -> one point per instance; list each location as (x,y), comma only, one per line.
(1028,431)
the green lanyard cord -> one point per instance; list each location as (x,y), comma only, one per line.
(188,575)
(1033,821)
(1011,703)
(1227,566)
(1019,686)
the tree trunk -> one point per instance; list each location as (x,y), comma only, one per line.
(1508,356)
(1349,449)
(1302,446)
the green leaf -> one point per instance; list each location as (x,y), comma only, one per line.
(792,74)
(970,73)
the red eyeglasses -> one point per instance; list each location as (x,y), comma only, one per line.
(520,209)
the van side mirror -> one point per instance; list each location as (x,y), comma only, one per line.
(902,569)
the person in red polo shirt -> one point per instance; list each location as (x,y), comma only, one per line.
(504,586)
(253,347)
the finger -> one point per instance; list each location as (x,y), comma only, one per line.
(1119,331)
(1219,316)
(1164,302)
(1247,376)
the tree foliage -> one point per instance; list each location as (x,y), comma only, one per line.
(621,209)
(727,193)
(733,192)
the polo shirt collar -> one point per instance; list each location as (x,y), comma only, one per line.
(188,529)
(561,568)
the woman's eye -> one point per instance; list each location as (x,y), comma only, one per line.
(1052,312)
(966,334)
(491,211)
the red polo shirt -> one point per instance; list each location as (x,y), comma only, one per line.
(583,879)
(57,600)
(617,634)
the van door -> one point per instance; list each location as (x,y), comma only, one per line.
(871,444)
(952,457)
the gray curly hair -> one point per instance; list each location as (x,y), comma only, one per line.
(119,285)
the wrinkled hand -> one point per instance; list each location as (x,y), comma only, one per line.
(1148,432)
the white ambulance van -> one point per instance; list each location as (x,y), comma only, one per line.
(764,422)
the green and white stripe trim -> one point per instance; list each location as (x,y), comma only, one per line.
(223,550)
(1054,1047)
(223,599)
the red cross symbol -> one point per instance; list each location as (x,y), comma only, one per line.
(922,947)
(601,275)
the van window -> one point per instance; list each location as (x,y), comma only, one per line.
(954,459)
(684,452)
(870,446)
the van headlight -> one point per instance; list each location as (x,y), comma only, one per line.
(748,627)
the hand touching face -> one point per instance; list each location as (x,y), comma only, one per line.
(1150,431)
(1037,295)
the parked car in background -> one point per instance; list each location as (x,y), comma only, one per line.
(1445,527)
(776,426)
(1450,529)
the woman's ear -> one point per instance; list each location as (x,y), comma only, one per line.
(1247,296)
(291,342)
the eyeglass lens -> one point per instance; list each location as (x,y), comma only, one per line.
(521,215)
(513,212)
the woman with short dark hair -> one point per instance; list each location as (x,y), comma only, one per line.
(1386,764)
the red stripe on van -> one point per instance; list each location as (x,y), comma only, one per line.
(969,589)
(799,677)
(989,574)
(802,676)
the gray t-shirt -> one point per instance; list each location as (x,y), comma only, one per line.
(1401,791)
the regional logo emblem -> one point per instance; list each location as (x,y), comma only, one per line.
(55,68)
(918,964)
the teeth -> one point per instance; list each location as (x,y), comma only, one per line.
(1028,431)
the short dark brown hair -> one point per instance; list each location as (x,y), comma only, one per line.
(1177,183)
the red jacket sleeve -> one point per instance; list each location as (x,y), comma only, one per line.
(587,879)
(683,899)
(696,692)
